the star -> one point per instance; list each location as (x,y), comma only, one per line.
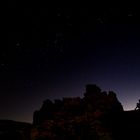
(58,14)
(130,15)
(2,64)
(100,20)
(18,44)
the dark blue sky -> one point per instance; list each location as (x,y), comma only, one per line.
(54,52)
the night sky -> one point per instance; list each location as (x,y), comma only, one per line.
(53,52)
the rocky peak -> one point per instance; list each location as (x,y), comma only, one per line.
(70,115)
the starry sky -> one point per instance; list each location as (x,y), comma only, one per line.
(53,52)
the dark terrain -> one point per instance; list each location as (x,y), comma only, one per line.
(12,130)
(97,116)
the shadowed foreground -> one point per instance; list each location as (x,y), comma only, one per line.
(12,130)
(97,116)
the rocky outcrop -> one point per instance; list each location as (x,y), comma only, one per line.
(77,118)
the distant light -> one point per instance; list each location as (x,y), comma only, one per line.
(18,44)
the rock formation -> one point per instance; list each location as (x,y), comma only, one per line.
(77,118)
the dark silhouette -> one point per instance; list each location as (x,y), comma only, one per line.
(97,116)
(138,106)
(90,117)
(12,130)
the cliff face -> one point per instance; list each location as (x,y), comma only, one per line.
(90,117)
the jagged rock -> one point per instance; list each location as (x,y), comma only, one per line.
(76,118)
(138,106)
